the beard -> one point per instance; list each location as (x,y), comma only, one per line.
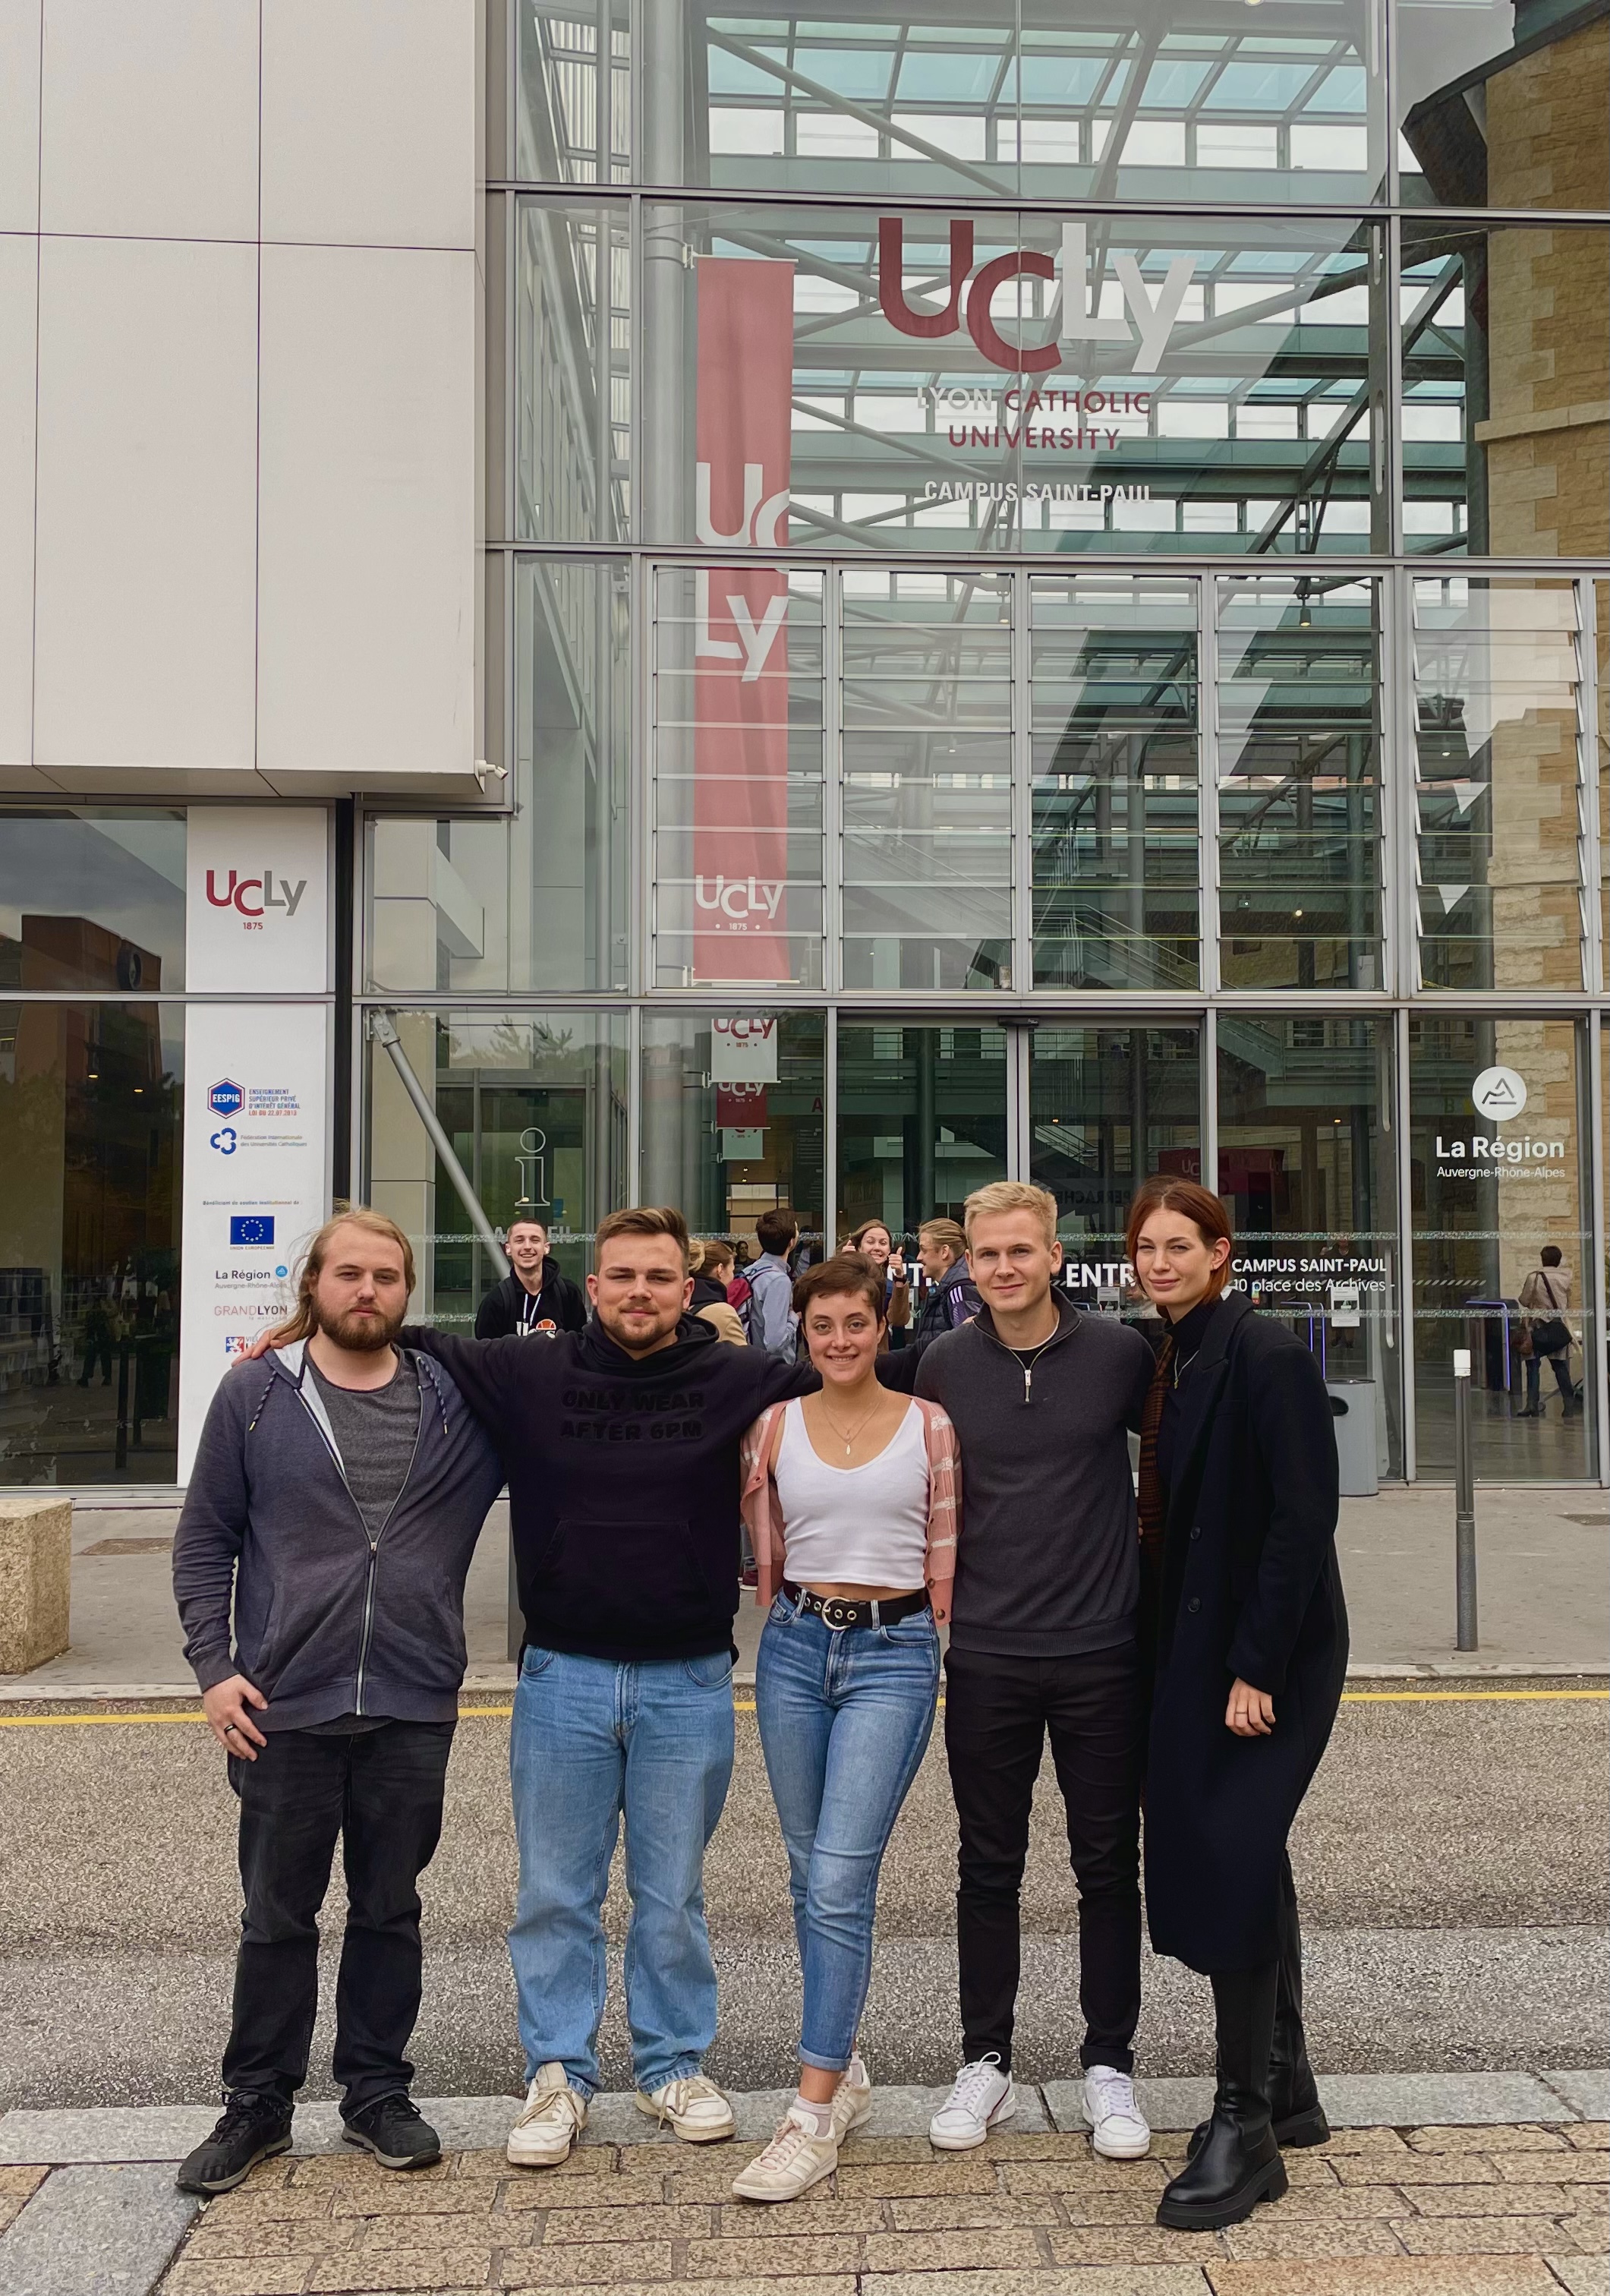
(363,1335)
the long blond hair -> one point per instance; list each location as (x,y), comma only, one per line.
(303,1322)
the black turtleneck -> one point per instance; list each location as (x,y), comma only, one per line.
(1189,1334)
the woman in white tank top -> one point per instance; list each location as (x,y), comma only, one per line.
(852,1501)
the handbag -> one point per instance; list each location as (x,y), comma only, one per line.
(1552,1336)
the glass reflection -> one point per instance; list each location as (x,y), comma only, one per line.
(926,792)
(1499,783)
(1113,665)
(92,898)
(1299,784)
(573,372)
(732,1113)
(922,1116)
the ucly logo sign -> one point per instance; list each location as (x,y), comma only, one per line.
(252,896)
(1080,321)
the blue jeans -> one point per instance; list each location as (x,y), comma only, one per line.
(591,1740)
(844,1720)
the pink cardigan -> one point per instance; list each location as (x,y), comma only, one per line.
(764,1517)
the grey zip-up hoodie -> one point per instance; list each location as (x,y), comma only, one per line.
(1050,1565)
(328,1621)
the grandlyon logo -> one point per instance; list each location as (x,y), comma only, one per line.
(1079,320)
(239,892)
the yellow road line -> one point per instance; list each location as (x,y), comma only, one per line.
(746,1706)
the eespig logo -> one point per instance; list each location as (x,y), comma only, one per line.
(1080,319)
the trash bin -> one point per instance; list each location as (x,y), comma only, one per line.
(1352,1403)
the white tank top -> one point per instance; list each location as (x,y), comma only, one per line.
(864,1526)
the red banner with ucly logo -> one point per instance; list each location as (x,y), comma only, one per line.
(741,687)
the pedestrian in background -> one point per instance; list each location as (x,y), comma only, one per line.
(852,1499)
(951,1299)
(533,1297)
(1238,1503)
(875,1242)
(710,1265)
(338,1489)
(772,1323)
(1546,1295)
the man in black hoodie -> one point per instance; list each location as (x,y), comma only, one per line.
(621,1446)
(533,1297)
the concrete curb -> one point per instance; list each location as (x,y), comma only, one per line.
(105,2135)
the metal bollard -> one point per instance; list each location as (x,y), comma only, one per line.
(1464,1503)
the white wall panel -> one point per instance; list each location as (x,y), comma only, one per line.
(18,266)
(147,467)
(151,118)
(368,122)
(19,22)
(367,563)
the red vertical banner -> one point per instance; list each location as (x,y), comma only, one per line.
(740,755)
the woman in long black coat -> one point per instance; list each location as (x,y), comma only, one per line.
(1238,1513)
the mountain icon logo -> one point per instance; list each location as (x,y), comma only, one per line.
(1498,1092)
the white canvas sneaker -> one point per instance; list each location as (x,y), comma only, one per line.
(551,2119)
(853,2100)
(983,2095)
(1118,2126)
(695,2108)
(797,2157)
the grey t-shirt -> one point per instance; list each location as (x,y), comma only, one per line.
(1049,1562)
(376,1429)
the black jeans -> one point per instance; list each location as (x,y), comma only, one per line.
(997,1713)
(381,1791)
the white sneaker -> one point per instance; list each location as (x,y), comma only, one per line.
(852,2100)
(695,2108)
(551,2119)
(1118,2126)
(983,2096)
(797,2157)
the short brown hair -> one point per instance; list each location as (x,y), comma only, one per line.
(1013,1196)
(946,1231)
(642,1219)
(717,1248)
(527,1219)
(777,1228)
(847,1275)
(303,1322)
(1208,1213)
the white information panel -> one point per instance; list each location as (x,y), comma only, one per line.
(256,1085)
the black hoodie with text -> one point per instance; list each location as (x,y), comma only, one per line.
(623,1479)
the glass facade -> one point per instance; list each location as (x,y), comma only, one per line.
(1047,613)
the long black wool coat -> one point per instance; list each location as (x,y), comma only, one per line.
(1250,1586)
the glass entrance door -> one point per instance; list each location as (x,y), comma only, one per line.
(925,1116)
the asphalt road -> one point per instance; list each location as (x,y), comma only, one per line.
(1450,1862)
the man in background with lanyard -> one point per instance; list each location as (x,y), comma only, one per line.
(535,1297)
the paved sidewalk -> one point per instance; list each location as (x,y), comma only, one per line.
(1475,2205)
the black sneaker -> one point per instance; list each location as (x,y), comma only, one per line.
(394,2131)
(252,2129)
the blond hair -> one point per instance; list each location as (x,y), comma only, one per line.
(945,1232)
(1013,1196)
(303,1322)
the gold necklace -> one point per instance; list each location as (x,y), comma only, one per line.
(847,1440)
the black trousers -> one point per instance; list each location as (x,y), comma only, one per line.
(379,1790)
(997,1713)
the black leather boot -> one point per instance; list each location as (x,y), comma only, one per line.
(1293,2096)
(1237,2163)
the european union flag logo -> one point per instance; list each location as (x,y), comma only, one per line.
(252,1228)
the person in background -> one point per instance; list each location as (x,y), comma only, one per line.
(1043,1643)
(1546,1295)
(738,1292)
(851,1500)
(711,1265)
(875,1242)
(533,1297)
(772,1323)
(1238,1504)
(951,1299)
(319,1566)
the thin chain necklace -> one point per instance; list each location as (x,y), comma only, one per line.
(848,1440)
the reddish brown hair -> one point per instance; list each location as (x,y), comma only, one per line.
(1207,1214)
(847,1275)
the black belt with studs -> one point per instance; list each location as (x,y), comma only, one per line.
(838,1612)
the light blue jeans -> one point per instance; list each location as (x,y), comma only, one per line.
(844,1720)
(592,1741)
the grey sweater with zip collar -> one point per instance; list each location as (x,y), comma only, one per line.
(1049,1562)
(332,1615)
